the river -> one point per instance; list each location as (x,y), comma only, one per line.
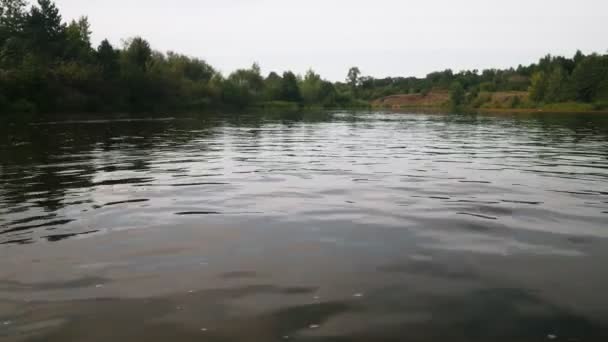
(320,226)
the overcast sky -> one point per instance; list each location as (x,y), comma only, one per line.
(382,37)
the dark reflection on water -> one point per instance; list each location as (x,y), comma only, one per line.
(329,226)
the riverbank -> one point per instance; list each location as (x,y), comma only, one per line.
(537,110)
(444,109)
(484,102)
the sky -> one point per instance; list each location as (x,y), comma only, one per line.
(381,37)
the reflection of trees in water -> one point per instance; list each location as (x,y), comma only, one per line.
(47,167)
(41,163)
(43,168)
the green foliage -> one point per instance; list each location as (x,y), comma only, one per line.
(487,86)
(137,54)
(311,88)
(582,78)
(45,32)
(457,94)
(78,36)
(555,89)
(47,65)
(327,94)
(272,87)
(243,87)
(590,78)
(192,69)
(568,107)
(481,99)
(108,59)
(289,88)
(12,14)
(538,88)
(353,77)
(550,86)
(601,105)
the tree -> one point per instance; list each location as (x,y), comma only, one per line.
(327,94)
(272,87)
(353,77)
(578,57)
(244,86)
(78,34)
(457,94)
(47,65)
(555,88)
(193,69)
(45,30)
(538,87)
(289,87)
(310,88)
(236,93)
(82,29)
(12,19)
(107,58)
(12,14)
(588,77)
(138,52)
(442,78)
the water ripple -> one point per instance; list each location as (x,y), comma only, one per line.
(385,170)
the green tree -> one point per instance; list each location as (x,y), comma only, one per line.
(78,35)
(137,52)
(555,89)
(45,31)
(12,14)
(327,94)
(588,77)
(289,87)
(108,59)
(12,19)
(243,87)
(311,88)
(353,77)
(538,86)
(272,87)
(193,69)
(578,57)
(457,94)
(47,65)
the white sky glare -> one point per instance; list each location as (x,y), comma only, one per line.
(382,37)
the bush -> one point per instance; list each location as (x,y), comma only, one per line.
(600,105)
(487,87)
(568,107)
(481,99)
(515,102)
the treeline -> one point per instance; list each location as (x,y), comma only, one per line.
(582,78)
(489,80)
(47,65)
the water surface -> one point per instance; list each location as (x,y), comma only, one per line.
(308,227)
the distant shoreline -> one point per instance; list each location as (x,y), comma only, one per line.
(494,102)
(538,111)
(442,109)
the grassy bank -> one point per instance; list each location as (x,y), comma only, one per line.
(496,102)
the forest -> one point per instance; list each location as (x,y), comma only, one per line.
(48,65)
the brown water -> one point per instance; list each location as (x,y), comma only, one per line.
(305,227)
